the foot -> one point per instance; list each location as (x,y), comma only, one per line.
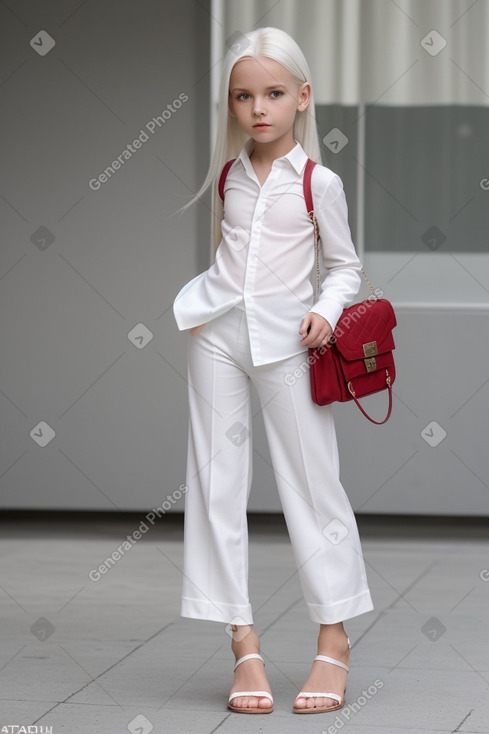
(324,676)
(249,675)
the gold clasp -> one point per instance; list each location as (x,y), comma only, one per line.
(370,349)
(370,364)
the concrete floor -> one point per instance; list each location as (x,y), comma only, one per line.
(113,655)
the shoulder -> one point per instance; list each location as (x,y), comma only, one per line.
(232,167)
(229,166)
(326,185)
(226,168)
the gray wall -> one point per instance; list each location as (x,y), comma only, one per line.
(80,268)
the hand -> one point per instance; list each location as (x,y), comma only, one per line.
(315,330)
(195,330)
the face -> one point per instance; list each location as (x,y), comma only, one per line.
(265,97)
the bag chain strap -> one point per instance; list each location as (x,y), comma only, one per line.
(318,273)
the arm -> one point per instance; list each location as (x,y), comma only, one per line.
(342,280)
(218,215)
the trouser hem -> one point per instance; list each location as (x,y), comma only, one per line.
(341,610)
(216,611)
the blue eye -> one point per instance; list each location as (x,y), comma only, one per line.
(276,92)
(244,94)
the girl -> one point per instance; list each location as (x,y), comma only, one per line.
(251,319)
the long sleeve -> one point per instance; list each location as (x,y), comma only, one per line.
(342,281)
(211,293)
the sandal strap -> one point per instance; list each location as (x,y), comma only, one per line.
(248,657)
(304,694)
(256,694)
(327,659)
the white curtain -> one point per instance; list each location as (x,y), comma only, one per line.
(366,51)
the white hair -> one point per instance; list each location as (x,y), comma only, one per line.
(277,45)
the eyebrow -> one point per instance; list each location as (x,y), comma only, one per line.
(272,86)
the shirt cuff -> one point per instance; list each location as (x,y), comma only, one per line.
(329,310)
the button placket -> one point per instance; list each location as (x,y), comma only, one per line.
(252,263)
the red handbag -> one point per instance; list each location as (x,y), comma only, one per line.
(358,359)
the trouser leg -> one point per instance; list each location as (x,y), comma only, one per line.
(319,517)
(215,580)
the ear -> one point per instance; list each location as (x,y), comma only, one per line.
(304,96)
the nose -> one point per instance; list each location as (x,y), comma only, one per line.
(258,106)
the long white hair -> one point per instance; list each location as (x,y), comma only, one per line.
(277,45)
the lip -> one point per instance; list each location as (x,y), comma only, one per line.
(261,124)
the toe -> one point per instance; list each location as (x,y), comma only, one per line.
(300,703)
(329,702)
(251,702)
(324,702)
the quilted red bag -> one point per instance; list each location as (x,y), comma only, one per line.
(358,359)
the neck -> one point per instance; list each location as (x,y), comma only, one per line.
(267,152)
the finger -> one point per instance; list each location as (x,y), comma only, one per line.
(195,330)
(310,338)
(305,325)
(322,338)
(325,339)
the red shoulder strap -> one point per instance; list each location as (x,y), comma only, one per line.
(222,179)
(307,185)
(306,182)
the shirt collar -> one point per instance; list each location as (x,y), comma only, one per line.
(297,157)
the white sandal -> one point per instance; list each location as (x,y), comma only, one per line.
(306,694)
(257,694)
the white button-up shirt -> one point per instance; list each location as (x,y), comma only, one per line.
(265,262)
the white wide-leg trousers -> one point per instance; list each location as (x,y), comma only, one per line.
(302,442)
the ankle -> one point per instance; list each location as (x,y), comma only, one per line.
(244,640)
(332,640)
